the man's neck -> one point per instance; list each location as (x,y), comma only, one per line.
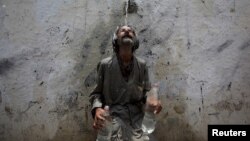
(126,61)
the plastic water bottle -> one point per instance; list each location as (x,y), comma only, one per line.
(104,134)
(149,120)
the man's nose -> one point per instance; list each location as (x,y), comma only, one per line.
(126,31)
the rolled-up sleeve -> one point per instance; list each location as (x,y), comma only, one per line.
(96,96)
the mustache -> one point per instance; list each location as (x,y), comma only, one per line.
(127,36)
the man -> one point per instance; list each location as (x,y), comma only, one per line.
(122,84)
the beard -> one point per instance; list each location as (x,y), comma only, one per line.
(126,41)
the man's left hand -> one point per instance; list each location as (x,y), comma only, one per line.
(155,105)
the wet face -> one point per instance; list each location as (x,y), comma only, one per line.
(126,42)
(125,31)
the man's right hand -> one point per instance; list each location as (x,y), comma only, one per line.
(99,118)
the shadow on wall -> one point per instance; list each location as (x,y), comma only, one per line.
(172,124)
(73,110)
(76,128)
(175,128)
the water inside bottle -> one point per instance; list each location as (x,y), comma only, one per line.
(149,120)
(104,134)
(148,124)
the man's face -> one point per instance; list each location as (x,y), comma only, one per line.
(125,31)
(125,41)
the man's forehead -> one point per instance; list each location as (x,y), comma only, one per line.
(125,27)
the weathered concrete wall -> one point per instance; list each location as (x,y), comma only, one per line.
(198,49)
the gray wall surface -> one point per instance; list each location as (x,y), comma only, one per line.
(199,51)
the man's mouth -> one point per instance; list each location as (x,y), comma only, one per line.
(127,36)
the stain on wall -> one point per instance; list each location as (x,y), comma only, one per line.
(5,65)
